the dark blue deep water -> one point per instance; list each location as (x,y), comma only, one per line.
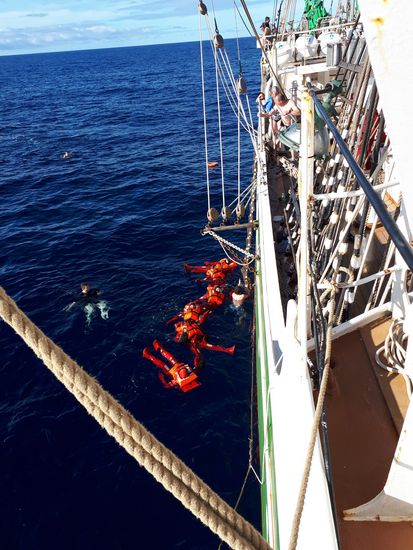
(123,213)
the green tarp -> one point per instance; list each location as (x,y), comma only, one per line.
(314,10)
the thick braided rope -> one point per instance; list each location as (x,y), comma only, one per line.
(314,430)
(159,461)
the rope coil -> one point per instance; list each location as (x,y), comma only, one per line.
(394,352)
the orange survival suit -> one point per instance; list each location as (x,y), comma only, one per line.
(180,374)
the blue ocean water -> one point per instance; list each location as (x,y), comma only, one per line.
(123,213)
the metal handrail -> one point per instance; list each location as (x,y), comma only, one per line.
(394,232)
(309,31)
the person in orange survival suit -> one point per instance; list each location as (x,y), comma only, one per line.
(214,271)
(216,275)
(196,311)
(189,332)
(181,375)
(214,296)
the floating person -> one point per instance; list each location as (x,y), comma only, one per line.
(214,271)
(190,333)
(225,265)
(67,155)
(217,274)
(180,374)
(89,299)
(196,311)
(214,296)
(239,295)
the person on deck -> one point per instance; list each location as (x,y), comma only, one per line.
(283,113)
(264,104)
(265,38)
(260,100)
(268,29)
(180,374)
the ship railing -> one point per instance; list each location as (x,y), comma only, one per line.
(318,29)
(283,387)
(331,59)
(399,246)
(397,237)
(395,501)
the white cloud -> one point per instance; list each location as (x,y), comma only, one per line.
(27,26)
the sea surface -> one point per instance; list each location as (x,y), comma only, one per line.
(122,213)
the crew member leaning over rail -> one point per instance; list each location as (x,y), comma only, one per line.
(283,113)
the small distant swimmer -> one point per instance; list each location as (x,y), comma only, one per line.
(67,155)
(88,299)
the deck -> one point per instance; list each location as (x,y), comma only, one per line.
(365,409)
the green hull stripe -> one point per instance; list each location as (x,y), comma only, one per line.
(262,371)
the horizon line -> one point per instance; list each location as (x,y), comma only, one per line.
(118,47)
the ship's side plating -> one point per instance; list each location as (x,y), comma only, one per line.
(285,403)
(285,389)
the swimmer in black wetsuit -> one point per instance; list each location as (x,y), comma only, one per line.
(88,298)
(88,295)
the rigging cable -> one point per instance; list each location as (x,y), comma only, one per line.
(226,87)
(278,20)
(242,19)
(219,117)
(231,246)
(234,83)
(204,111)
(274,14)
(228,70)
(220,131)
(262,47)
(239,115)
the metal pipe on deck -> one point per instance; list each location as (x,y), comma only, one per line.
(396,235)
(305,186)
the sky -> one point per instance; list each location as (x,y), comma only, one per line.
(36,26)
